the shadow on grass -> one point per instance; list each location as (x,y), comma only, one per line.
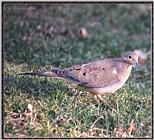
(33,86)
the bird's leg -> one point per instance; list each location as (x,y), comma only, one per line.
(95,97)
(98,97)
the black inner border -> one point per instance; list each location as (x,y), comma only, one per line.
(75,2)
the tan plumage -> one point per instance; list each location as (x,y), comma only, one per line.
(98,77)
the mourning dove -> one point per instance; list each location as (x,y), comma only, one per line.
(98,77)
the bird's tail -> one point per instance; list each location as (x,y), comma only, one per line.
(62,74)
(52,73)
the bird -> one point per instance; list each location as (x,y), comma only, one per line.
(97,77)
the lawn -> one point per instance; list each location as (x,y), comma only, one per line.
(41,36)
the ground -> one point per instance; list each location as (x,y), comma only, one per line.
(38,36)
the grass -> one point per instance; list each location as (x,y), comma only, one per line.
(38,36)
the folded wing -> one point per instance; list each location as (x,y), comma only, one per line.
(100,73)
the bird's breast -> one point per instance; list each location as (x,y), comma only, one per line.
(124,72)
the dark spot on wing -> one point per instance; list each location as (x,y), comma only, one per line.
(103,68)
(84,73)
(77,68)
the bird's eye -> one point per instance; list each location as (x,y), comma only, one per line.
(130,57)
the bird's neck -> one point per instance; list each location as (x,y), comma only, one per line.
(124,71)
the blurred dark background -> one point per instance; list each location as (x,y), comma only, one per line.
(65,34)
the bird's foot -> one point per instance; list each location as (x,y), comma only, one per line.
(99,98)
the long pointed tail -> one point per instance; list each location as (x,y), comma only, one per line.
(44,73)
(62,74)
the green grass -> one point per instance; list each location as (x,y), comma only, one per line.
(37,36)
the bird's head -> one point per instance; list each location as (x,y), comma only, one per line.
(130,58)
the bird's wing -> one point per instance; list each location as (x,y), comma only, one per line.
(101,73)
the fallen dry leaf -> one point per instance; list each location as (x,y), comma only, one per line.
(94,131)
(142,124)
(39,28)
(83,32)
(28,111)
(118,132)
(137,75)
(27,39)
(60,120)
(131,127)
(15,115)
